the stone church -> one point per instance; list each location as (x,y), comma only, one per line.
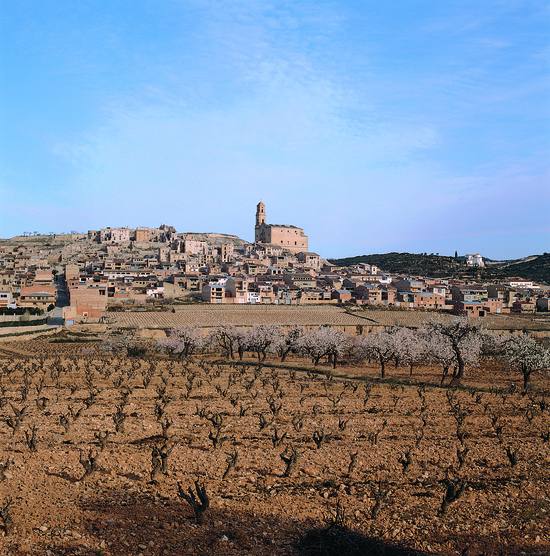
(289,237)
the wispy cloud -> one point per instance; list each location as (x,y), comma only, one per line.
(372,127)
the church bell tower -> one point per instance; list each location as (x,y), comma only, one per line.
(260,221)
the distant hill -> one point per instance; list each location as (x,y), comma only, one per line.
(411,263)
(535,267)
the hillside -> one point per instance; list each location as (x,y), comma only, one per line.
(217,238)
(410,263)
(535,267)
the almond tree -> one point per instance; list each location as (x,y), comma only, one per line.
(182,341)
(262,339)
(410,347)
(241,342)
(227,339)
(121,344)
(289,342)
(494,343)
(527,356)
(459,337)
(440,353)
(379,346)
(324,342)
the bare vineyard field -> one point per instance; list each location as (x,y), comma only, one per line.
(211,315)
(421,469)
(208,315)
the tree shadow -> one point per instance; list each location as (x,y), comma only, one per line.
(131,476)
(148,440)
(80,477)
(475,545)
(334,540)
(64,475)
(124,523)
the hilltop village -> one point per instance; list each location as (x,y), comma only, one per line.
(84,276)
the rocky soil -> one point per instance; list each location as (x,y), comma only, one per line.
(384,453)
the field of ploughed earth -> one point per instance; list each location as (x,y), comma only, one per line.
(279,460)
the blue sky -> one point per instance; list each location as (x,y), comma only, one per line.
(377,126)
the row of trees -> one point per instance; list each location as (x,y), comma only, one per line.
(453,346)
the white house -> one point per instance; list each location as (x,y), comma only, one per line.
(475,260)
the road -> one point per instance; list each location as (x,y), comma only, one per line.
(55,316)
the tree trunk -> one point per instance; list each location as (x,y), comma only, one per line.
(458,372)
(382,367)
(444,375)
(526,376)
